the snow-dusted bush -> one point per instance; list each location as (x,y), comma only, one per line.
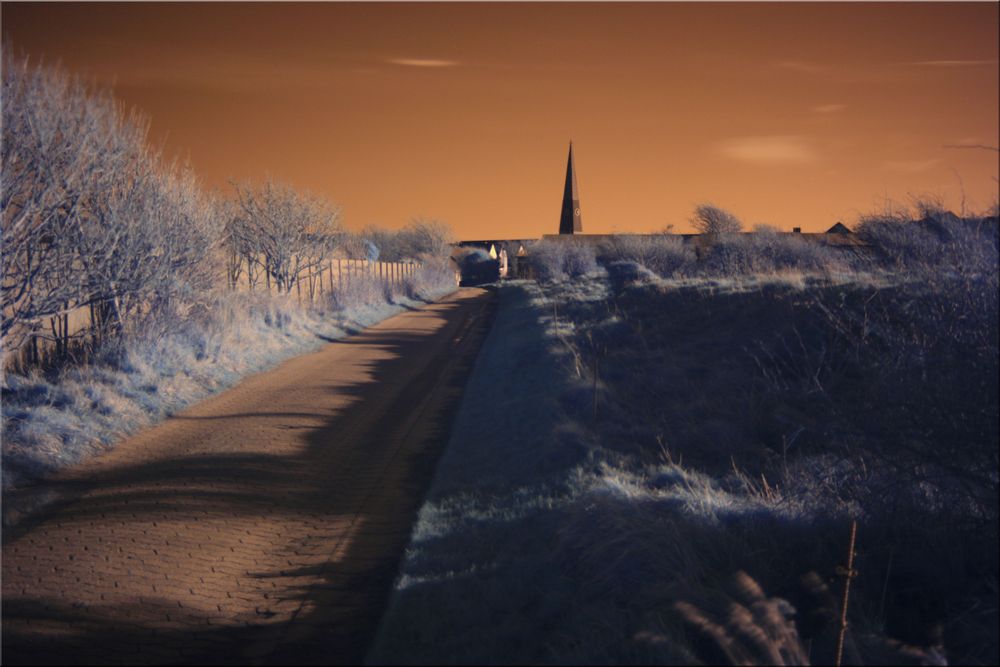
(666,255)
(98,227)
(287,234)
(429,279)
(726,255)
(732,255)
(579,260)
(90,215)
(373,242)
(421,238)
(552,259)
(711,219)
(934,242)
(425,238)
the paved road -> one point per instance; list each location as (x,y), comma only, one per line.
(262,525)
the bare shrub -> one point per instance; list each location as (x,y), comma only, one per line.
(91,216)
(241,247)
(428,278)
(929,240)
(929,413)
(556,259)
(425,238)
(711,219)
(422,239)
(766,252)
(151,244)
(359,292)
(936,338)
(59,141)
(664,254)
(764,228)
(385,241)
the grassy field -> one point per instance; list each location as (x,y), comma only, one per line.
(663,466)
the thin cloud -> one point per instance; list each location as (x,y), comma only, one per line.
(954,63)
(985,147)
(829,108)
(909,166)
(422,62)
(769,150)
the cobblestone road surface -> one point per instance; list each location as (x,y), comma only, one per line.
(263,525)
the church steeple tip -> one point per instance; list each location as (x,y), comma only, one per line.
(570,221)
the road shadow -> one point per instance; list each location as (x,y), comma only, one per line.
(377,483)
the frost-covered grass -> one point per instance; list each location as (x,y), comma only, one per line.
(870,396)
(539,544)
(654,440)
(56,419)
(628,445)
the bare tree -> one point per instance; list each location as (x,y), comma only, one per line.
(290,233)
(385,240)
(90,216)
(422,238)
(710,219)
(56,141)
(426,238)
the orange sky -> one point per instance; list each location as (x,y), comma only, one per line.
(785,114)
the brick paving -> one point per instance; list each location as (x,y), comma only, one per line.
(263,525)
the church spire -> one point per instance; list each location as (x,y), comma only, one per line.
(570,221)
